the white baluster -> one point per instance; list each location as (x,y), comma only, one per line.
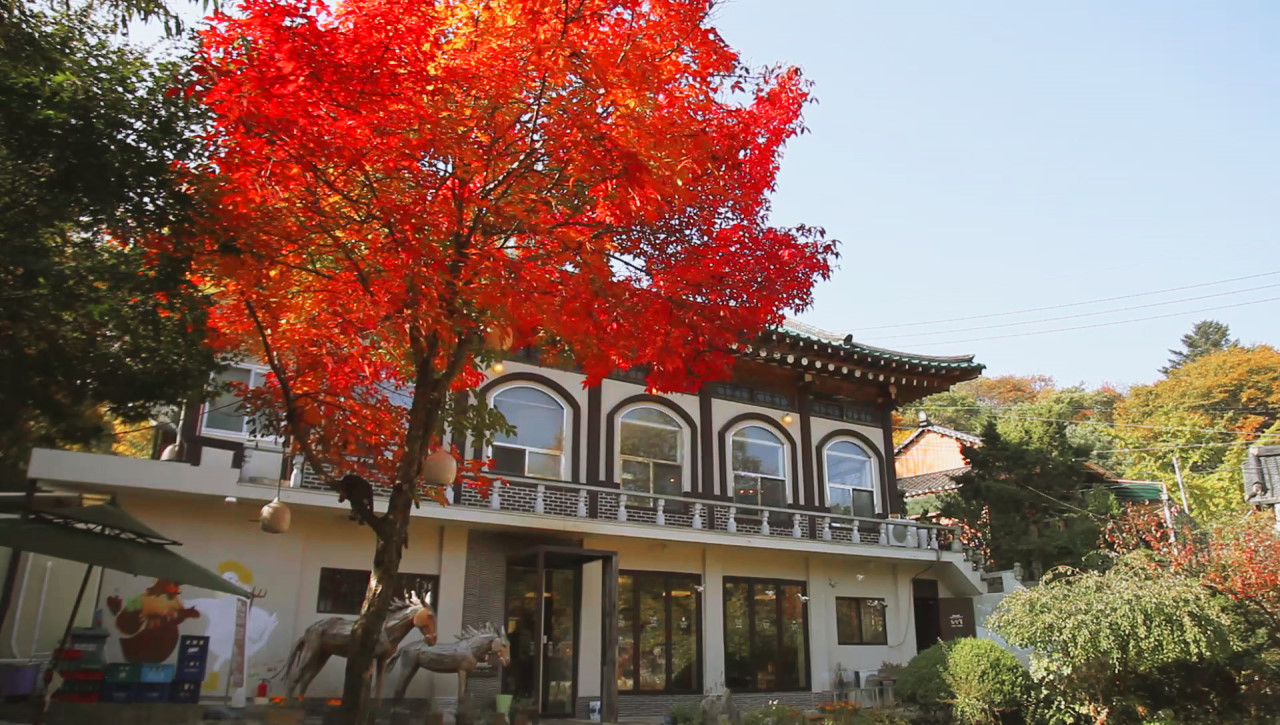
(933,539)
(732,525)
(622,507)
(857,537)
(295,476)
(826,528)
(582,504)
(764,523)
(495,502)
(448,494)
(884,534)
(955,542)
(662,514)
(795,526)
(697,516)
(922,537)
(538,505)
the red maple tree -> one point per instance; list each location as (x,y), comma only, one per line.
(399,190)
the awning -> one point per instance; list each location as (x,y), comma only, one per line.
(108,537)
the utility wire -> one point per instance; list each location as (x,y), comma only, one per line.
(1062,306)
(1083,314)
(1100,324)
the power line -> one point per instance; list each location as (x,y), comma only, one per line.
(1062,306)
(1085,314)
(1100,324)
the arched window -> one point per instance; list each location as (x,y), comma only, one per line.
(851,479)
(759,465)
(651,451)
(536,448)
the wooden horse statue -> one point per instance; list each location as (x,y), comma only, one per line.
(332,636)
(475,649)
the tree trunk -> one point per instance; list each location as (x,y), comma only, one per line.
(358,683)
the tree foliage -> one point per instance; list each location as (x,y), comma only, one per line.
(89,135)
(1206,336)
(1205,412)
(1116,646)
(402,190)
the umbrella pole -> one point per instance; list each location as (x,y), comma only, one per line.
(66,637)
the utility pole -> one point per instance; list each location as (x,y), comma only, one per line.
(1177,471)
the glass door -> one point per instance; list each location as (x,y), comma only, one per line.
(558,650)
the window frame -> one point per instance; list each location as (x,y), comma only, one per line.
(492,395)
(784,459)
(875,472)
(685,439)
(432,596)
(636,627)
(807,681)
(860,602)
(257,377)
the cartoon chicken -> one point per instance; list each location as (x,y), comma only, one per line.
(148,623)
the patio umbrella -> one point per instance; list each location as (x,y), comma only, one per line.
(105,536)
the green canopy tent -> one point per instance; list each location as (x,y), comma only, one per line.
(106,536)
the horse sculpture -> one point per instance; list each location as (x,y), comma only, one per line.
(475,649)
(332,636)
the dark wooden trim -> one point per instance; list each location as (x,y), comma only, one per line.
(860,600)
(595,402)
(806,445)
(666,577)
(575,427)
(889,482)
(768,422)
(611,436)
(820,454)
(707,442)
(609,654)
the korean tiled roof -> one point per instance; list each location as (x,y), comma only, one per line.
(969,438)
(795,328)
(930,483)
(1262,475)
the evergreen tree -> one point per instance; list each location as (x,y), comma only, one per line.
(1207,336)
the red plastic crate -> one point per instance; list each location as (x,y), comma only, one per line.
(68,654)
(82,675)
(86,697)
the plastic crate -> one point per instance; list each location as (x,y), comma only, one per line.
(191,645)
(151,692)
(190,669)
(187,693)
(92,675)
(155,674)
(123,672)
(85,697)
(69,655)
(118,692)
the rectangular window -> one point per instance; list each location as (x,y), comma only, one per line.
(766,635)
(224,414)
(342,590)
(860,620)
(659,648)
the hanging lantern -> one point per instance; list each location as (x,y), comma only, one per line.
(440,469)
(498,338)
(274,517)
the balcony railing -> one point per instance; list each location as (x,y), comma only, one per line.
(561,499)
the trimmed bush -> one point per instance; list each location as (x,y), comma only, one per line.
(985,680)
(921,683)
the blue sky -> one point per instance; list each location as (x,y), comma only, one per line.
(986,157)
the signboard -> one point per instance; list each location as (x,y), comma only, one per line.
(237,651)
(955,618)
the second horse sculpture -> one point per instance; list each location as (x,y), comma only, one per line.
(474,649)
(332,636)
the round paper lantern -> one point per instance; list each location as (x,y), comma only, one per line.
(440,469)
(274,517)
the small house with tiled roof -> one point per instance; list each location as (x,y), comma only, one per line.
(1262,478)
(928,461)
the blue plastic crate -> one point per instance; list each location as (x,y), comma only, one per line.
(151,692)
(191,645)
(155,674)
(123,672)
(190,669)
(187,693)
(117,692)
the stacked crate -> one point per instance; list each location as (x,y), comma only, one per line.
(136,682)
(193,654)
(81,676)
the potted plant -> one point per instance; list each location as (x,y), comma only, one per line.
(522,711)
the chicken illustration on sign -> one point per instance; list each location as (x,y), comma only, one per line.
(220,614)
(147,624)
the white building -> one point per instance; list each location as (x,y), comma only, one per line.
(749,524)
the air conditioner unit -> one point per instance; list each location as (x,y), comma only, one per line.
(900,534)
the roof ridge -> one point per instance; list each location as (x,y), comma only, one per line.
(792,326)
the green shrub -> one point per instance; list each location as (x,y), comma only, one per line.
(775,714)
(985,680)
(921,682)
